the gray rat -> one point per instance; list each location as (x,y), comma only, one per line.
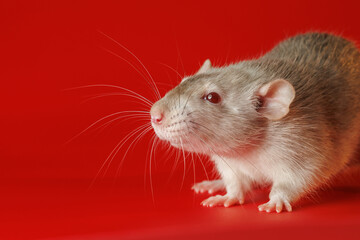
(289,119)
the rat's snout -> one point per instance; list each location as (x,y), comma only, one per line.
(157,117)
(157,114)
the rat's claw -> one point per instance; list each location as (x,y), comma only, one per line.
(209,186)
(275,205)
(219,200)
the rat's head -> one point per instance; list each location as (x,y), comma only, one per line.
(219,110)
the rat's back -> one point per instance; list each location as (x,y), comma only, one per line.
(319,50)
(325,71)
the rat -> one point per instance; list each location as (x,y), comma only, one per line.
(289,119)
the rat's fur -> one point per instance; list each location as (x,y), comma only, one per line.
(297,153)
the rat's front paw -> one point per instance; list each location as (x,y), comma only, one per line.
(209,186)
(220,200)
(276,204)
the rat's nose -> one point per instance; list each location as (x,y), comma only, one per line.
(156,116)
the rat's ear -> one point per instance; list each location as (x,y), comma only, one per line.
(205,67)
(275,97)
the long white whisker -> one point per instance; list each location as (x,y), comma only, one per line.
(133,143)
(184,173)
(125,60)
(114,152)
(119,146)
(151,78)
(125,118)
(112,86)
(179,55)
(171,68)
(150,171)
(142,75)
(175,162)
(142,101)
(157,143)
(187,100)
(193,164)
(99,120)
(203,166)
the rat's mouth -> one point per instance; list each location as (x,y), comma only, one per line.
(182,140)
(175,133)
(176,139)
(178,134)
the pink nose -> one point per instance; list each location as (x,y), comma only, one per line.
(156,117)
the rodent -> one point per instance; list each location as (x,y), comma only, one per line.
(289,119)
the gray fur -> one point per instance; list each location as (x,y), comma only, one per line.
(302,151)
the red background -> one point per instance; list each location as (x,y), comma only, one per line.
(47,47)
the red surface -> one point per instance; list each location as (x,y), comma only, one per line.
(49,46)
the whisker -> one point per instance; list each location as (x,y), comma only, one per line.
(151,78)
(119,146)
(171,68)
(150,171)
(113,153)
(187,100)
(179,100)
(184,173)
(169,151)
(147,157)
(99,120)
(117,94)
(201,125)
(125,118)
(132,144)
(156,146)
(112,86)
(193,164)
(179,55)
(203,166)
(141,74)
(128,62)
(175,162)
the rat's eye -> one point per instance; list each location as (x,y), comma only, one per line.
(213,97)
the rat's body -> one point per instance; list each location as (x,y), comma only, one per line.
(290,119)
